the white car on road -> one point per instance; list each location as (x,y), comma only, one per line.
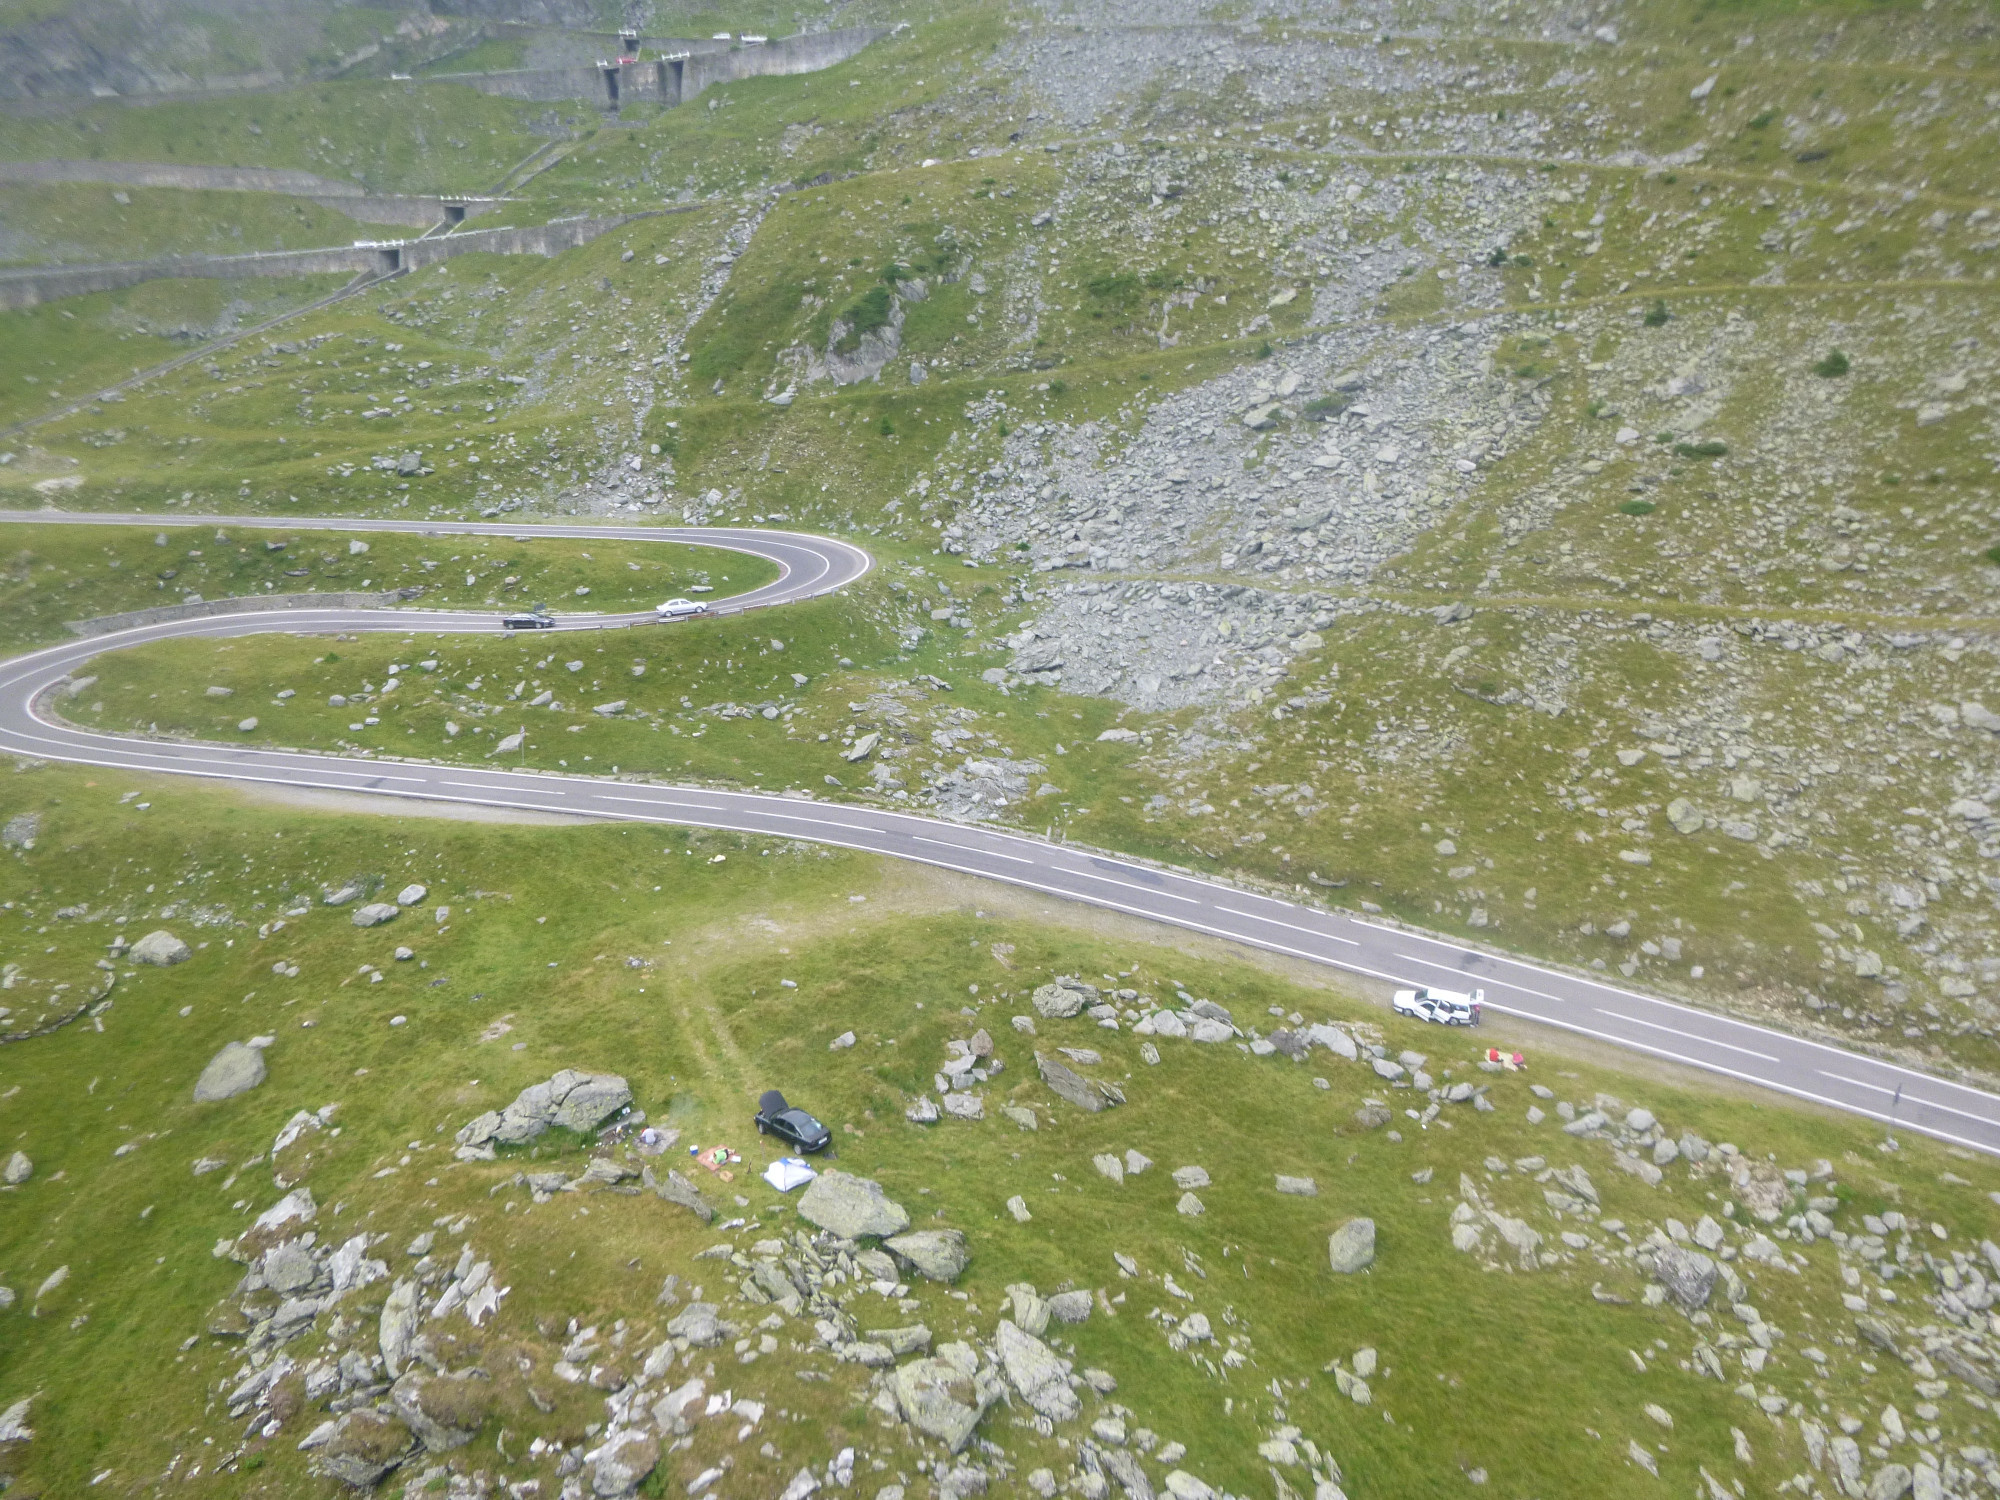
(680,609)
(1446,1007)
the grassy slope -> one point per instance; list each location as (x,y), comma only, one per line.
(541,923)
(391,137)
(87,222)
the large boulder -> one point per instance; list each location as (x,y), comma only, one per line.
(677,1189)
(622,1463)
(374,914)
(942,1401)
(160,948)
(1351,1247)
(1064,998)
(1084,1093)
(361,1448)
(700,1323)
(937,1254)
(1037,1372)
(236,1069)
(398,1330)
(852,1207)
(444,1411)
(18,1169)
(1688,1275)
(571,1099)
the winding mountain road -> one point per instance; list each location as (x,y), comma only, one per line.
(1824,1074)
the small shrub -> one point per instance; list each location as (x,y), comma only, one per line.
(1058,387)
(1763,119)
(888,428)
(1833,366)
(1710,448)
(1525,262)
(1638,507)
(1497,257)
(1657,315)
(1264,350)
(1993,555)
(1324,408)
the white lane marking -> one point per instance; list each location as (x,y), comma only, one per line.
(1682,1031)
(1325,937)
(659,802)
(1908,1098)
(968,849)
(1844,1105)
(1129,885)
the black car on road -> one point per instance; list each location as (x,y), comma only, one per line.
(793,1126)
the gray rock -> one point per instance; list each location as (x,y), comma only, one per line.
(1190,1177)
(410,895)
(1298,1187)
(965,1106)
(1109,1166)
(623,1462)
(236,1069)
(20,830)
(444,1411)
(677,1190)
(159,948)
(374,914)
(1035,1371)
(571,1099)
(1070,1307)
(1190,1205)
(942,1401)
(1084,1093)
(1022,1116)
(398,1329)
(900,1341)
(18,1169)
(363,1446)
(1891,1482)
(1351,1247)
(1136,1163)
(1688,1275)
(923,1112)
(852,1207)
(936,1254)
(288,1268)
(700,1323)
(1064,998)
(1372,1116)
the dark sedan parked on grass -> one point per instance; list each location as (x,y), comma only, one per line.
(793,1126)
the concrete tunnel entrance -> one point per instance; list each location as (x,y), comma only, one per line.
(454,214)
(388,259)
(610,73)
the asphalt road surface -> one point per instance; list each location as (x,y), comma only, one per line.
(1828,1075)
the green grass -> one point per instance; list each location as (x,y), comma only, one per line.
(393,137)
(87,221)
(541,924)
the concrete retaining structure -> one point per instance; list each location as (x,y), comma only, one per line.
(31,286)
(673,80)
(248,604)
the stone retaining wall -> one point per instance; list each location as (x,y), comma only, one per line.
(248,604)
